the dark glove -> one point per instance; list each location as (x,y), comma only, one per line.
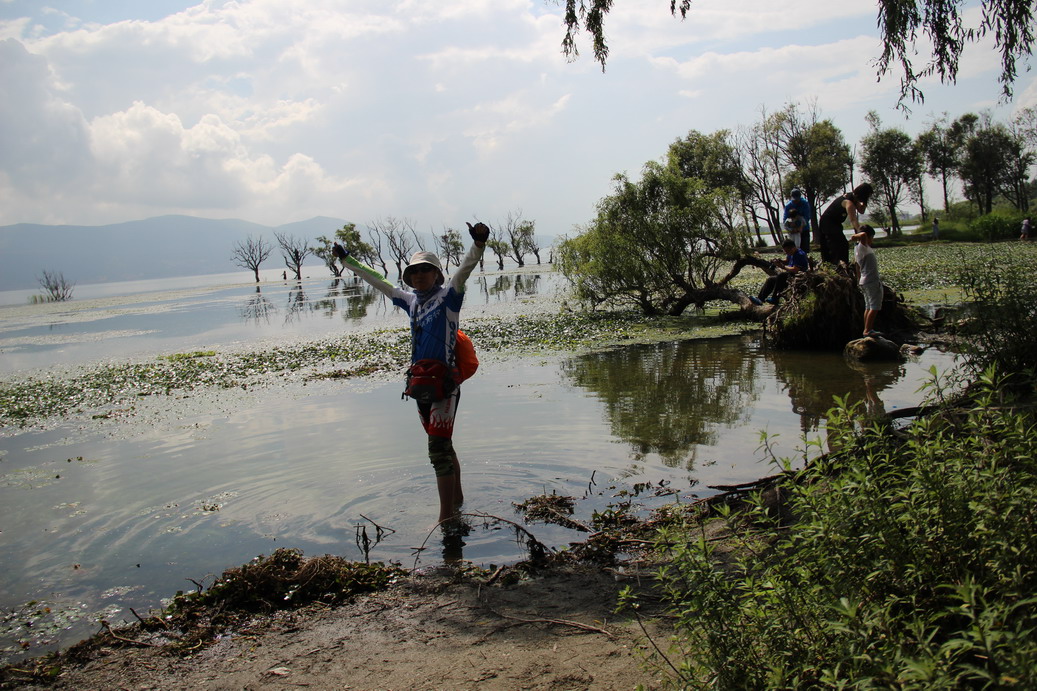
(340,251)
(480,232)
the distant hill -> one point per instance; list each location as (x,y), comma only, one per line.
(161,247)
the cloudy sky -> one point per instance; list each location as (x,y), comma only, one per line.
(438,111)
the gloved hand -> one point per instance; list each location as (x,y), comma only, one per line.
(480,232)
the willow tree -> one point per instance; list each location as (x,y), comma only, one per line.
(907,27)
(656,244)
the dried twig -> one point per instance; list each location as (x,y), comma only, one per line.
(560,622)
(108,628)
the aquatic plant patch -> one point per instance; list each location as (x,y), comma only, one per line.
(101,390)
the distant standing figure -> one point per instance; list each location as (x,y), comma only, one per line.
(284,275)
(1025,233)
(936,228)
(834,247)
(798,202)
(870,282)
(794,226)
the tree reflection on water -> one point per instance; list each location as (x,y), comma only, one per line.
(672,399)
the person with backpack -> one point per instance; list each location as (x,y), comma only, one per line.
(434,306)
(802,208)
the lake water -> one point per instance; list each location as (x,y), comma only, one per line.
(99,518)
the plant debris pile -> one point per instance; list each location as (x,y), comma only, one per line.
(549,508)
(285,580)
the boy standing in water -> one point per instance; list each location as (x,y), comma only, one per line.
(434,308)
(870,281)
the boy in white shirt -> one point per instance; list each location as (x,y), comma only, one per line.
(870,282)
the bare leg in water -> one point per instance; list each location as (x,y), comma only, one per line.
(451,496)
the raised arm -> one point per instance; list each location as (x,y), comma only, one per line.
(369,275)
(480,234)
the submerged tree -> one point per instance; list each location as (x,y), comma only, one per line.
(450,247)
(517,235)
(402,239)
(251,252)
(57,288)
(294,251)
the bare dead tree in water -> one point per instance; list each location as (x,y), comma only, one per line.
(294,250)
(56,287)
(251,252)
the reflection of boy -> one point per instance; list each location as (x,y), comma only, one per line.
(795,261)
(434,307)
(870,282)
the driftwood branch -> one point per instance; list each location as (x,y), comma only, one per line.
(560,622)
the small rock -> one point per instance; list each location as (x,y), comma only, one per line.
(873,349)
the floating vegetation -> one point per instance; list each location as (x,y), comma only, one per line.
(548,508)
(101,390)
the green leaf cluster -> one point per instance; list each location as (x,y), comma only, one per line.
(908,564)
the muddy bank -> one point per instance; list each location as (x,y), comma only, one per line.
(433,631)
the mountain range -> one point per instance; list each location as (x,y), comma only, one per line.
(160,247)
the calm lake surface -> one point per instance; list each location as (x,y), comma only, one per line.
(96,519)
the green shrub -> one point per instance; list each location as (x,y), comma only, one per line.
(996,226)
(909,565)
(1002,326)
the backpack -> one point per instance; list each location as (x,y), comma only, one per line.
(465,359)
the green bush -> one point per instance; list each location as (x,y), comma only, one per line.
(1002,326)
(996,226)
(908,565)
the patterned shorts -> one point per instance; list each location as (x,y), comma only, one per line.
(438,418)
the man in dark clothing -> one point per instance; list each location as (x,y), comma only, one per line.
(795,261)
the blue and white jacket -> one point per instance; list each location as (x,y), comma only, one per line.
(433,313)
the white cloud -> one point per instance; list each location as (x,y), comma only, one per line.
(274,111)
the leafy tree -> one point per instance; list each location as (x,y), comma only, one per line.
(450,247)
(656,244)
(294,251)
(350,238)
(517,235)
(893,163)
(713,159)
(819,157)
(940,155)
(786,149)
(992,163)
(323,249)
(902,24)
(251,252)
(498,245)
